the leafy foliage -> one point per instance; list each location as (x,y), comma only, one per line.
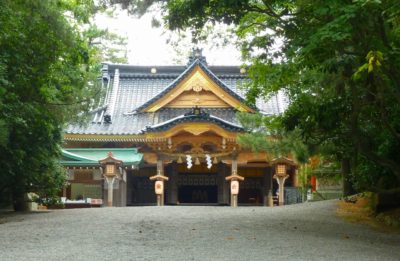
(105,46)
(45,69)
(265,134)
(338,61)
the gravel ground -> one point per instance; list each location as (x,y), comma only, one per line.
(309,231)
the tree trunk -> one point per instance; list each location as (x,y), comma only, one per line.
(19,203)
(346,172)
(387,200)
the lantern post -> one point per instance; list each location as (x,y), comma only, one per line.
(159,187)
(110,174)
(281,176)
(234,179)
(159,179)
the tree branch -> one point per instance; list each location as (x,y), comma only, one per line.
(67,104)
(390,164)
(385,191)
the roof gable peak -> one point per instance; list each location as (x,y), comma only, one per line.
(197,55)
(197,80)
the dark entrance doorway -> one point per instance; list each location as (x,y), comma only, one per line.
(197,188)
(142,191)
(251,191)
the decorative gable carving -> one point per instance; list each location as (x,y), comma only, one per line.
(198,92)
(204,99)
(198,89)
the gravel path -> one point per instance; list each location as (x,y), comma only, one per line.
(309,231)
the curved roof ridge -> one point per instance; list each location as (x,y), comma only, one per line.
(221,83)
(74,156)
(225,121)
(192,117)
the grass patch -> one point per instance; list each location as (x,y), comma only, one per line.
(360,210)
(390,218)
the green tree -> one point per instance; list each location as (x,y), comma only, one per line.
(104,45)
(265,133)
(44,65)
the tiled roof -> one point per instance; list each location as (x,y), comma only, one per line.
(131,87)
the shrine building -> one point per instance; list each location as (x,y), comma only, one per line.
(168,135)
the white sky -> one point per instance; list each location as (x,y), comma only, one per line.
(147,45)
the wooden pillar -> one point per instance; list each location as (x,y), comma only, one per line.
(159,200)
(159,190)
(234,179)
(296,177)
(234,198)
(173,184)
(110,183)
(223,187)
(112,171)
(129,181)
(234,192)
(281,182)
(159,179)
(270,199)
(160,171)
(122,189)
(267,186)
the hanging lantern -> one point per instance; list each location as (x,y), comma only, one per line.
(215,161)
(197,161)
(179,160)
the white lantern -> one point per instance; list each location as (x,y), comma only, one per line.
(159,187)
(234,187)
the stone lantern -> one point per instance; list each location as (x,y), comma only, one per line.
(111,173)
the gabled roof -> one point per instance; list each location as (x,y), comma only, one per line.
(283,160)
(131,87)
(197,63)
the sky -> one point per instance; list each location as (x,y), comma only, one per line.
(147,45)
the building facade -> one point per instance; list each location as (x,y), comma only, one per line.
(176,127)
